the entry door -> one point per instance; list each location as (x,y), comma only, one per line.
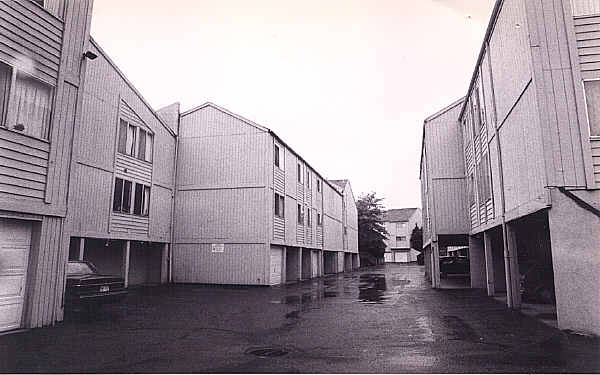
(315,263)
(15,240)
(276,266)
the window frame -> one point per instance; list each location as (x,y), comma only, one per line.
(300,216)
(279,206)
(9,113)
(300,174)
(587,115)
(319,219)
(308,217)
(133,144)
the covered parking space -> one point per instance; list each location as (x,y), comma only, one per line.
(139,262)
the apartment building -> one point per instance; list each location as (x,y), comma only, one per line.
(42,70)
(529,129)
(399,223)
(261,214)
(122,179)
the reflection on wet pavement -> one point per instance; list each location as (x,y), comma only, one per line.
(372,288)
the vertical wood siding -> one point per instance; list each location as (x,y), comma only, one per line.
(161,199)
(238,264)
(94,186)
(31,38)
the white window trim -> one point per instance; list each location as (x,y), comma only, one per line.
(587,117)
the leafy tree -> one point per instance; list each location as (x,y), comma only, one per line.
(416,238)
(371,231)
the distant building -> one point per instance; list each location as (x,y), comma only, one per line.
(400,223)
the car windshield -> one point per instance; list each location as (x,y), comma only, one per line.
(78,268)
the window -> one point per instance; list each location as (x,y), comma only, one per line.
(307,179)
(122,146)
(345,231)
(141,154)
(135,141)
(319,219)
(400,238)
(300,214)
(300,178)
(146,201)
(122,196)
(592,99)
(279,205)
(319,186)
(308,218)
(483,180)
(471,187)
(5,78)
(278,157)
(33,106)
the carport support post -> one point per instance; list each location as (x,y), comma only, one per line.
(435,265)
(81,247)
(489,264)
(164,264)
(284,267)
(511,267)
(126,252)
(299,263)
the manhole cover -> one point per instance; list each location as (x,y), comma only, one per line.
(267,352)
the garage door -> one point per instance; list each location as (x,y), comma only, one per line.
(276,264)
(15,239)
(400,257)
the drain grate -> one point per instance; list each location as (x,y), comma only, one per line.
(267,352)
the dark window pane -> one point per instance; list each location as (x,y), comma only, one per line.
(141,145)
(5,78)
(137,199)
(126,197)
(122,147)
(118,196)
(276,204)
(146,201)
(276,155)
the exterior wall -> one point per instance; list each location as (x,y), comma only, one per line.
(109,97)
(443,181)
(351,220)
(34,171)
(332,219)
(222,198)
(574,239)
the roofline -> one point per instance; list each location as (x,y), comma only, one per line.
(260,127)
(432,117)
(131,86)
(486,39)
(224,110)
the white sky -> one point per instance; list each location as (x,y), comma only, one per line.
(345,83)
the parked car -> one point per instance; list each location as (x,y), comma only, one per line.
(537,282)
(454,265)
(87,287)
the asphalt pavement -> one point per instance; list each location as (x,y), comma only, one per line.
(383,319)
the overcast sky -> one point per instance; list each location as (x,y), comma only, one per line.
(345,83)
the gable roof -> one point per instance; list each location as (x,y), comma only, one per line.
(263,128)
(398,214)
(340,183)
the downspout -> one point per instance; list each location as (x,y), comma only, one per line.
(507,254)
(170,258)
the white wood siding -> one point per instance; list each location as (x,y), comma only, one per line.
(27,32)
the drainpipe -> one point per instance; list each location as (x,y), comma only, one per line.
(170,256)
(508,261)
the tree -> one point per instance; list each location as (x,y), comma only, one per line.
(416,238)
(371,231)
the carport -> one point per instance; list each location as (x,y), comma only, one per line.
(293,264)
(330,262)
(139,262)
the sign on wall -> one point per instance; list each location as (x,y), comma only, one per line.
(218,248)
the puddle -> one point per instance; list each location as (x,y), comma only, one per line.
(372,288)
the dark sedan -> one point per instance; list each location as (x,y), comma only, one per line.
(454,265)
(87,287)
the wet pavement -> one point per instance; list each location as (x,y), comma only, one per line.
(384,319)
